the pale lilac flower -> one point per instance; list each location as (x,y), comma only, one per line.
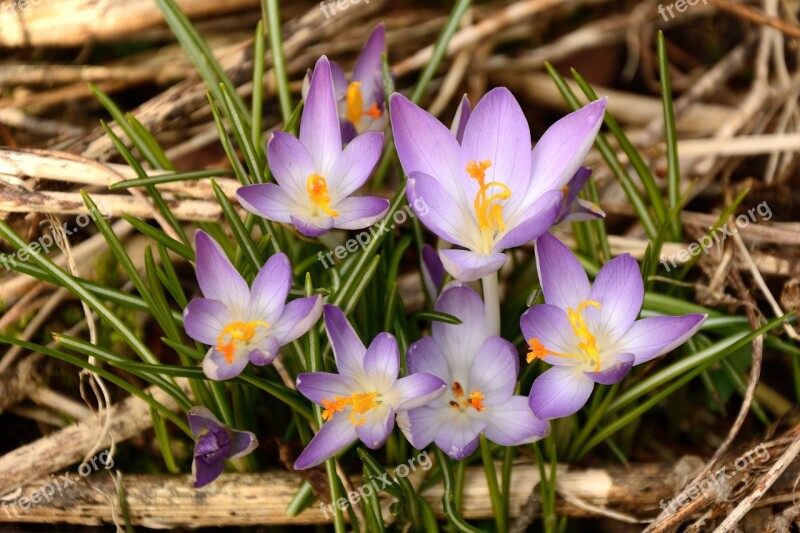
(242,323)
(589,333)
(315,177)
(481,373)
(214,442)
(362,399)
(486,189)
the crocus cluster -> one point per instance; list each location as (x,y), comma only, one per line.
(485,191)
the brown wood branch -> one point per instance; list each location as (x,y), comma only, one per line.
(757,16)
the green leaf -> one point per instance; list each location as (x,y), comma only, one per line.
(170,177)
(271,9)
(437,316)
(671,134)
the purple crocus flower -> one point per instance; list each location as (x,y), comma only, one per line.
(315,176)
(244,324)
(486,189)
(213,443)
(589,333)
(481,372)
(361,100)
(361,400)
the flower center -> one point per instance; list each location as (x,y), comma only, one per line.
(318,192)
(234,333)
(488,209)
(355,104)
(587,343)
(360,401)
(464,402)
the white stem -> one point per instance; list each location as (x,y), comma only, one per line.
(491,299)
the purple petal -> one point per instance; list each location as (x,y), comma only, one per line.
(376,428)
(513,423)
(217,277)
(550,325)
(421,425)
(466,265)
(204,319)
(358,212)
(439,210)
(614,373)
(416,390)
(563,147)
(433,272)
(318,386)
(334,436)
(425,356)
(242,443)
(202,419)
(348,130)
(498,131)
(369,65)
(460,342)
(654,336)
(204,474)
(217,368)
(619,289)
(494,371)
(460,120)
(382,361)
(290,163)
(266,353)
(355,164)
(425,145)
(339,81)
(458,437)
(312,227)
(319,125)
(580,211)
(348,350)
(268,200)
(564,282)
(297,318)
(270,289)
(543,215)
(560,391)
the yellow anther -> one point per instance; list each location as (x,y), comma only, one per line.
(488,210)
(318,192)
(354,101)
(361,402)
(587,345)
(236,332)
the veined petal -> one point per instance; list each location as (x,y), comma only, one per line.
(217,368)
(333,437)
(312,227)
(382,361)
(318,386)
(564,282)
(297,318)
(543,215)
(550,325)
(498,131)
(354,165)
(242,443)
(458,436)
(348,350)
(415,390)
(270,289)
(290,163)
(563,147)
(420,425)
(512,423)
(319,124)
(460,342)
(204,319)
(216,275)
(358,212)
(203,473)
(265,353)
(614,373)
(369,65)
(466,265)
(461,118)
(494,371)
(377,427)
(202,419)
(654,336)
(560,391)
(268,200)
(619,289)
(424,356)
(439,210)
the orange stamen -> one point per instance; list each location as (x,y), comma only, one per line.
(318,192)
(236,332)
(487,209)
(360,401)
(462,402)
(587,345)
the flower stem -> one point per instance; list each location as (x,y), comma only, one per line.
(494,489)
(491,299)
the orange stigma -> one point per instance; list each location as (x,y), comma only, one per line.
(463,402)
(236,332)
(318,192)
(360,401)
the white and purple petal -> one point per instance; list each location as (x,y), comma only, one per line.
(564,282)
(544,213)
(550,325)
(513,423)
(382,361)
(318,386)
(297,318)
(560,391)
(458,436)
(415,391)
(466,265)
(216,275)
(359,212)
(270,289)
(266,352)
(290,163)
(333,437)
(354,165)
(494,371)
(619,368)
(619,290)
(376,427)
(654,336)
(439,210)
(268,200)
(348,350)
(216,366)
(319,124)
(204,319)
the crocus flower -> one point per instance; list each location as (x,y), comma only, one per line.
(590,333)
(487,190)
(244,324)
(361,400)
(213,443)
(360,101)
(481,373)
(315,176)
